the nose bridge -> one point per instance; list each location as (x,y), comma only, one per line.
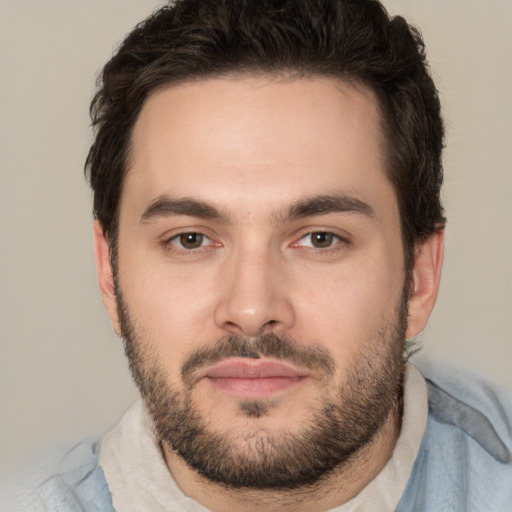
(253,294)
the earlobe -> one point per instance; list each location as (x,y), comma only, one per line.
(105,274)
(428,262)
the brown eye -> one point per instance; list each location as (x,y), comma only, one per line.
(190,240)
(321,240)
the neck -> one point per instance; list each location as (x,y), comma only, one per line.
(340,486)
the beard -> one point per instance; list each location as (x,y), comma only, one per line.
(345,419)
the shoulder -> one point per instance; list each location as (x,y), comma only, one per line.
(465,459)
(472,406)
(61,481)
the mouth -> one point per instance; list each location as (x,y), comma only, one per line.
(250,378)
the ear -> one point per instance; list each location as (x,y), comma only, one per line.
(428,262)
(105,274)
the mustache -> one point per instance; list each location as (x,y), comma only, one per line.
(271,345)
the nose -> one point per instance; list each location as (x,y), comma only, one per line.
(254,296)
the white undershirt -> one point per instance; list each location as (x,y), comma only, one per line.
(138,477)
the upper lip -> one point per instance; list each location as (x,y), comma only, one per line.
(243,368)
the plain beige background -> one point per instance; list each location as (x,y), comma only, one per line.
(63,373)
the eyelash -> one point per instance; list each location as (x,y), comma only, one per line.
(168,243)
(336,241)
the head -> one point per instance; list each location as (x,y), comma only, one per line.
(266,181)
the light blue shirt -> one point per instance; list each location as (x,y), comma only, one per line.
(464,463)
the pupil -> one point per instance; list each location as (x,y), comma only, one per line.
(191,240)
(322,239)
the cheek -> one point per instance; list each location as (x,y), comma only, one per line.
(170,307)
(348,307)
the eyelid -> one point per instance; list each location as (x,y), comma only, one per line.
(168,238)
(342,236)
(205,239)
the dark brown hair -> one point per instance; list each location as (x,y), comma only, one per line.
(353,40)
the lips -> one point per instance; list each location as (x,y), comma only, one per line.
(243,368)
(253,378)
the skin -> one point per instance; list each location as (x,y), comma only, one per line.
(252,147)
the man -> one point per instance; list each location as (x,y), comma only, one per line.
(268,234)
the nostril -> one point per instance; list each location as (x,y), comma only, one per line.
(269,325)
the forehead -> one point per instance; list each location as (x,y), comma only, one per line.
(257,142)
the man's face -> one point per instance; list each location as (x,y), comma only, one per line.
(260,278)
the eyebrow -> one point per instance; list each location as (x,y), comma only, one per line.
(166,206)
(325,204)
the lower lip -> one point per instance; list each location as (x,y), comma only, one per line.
(256,387)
